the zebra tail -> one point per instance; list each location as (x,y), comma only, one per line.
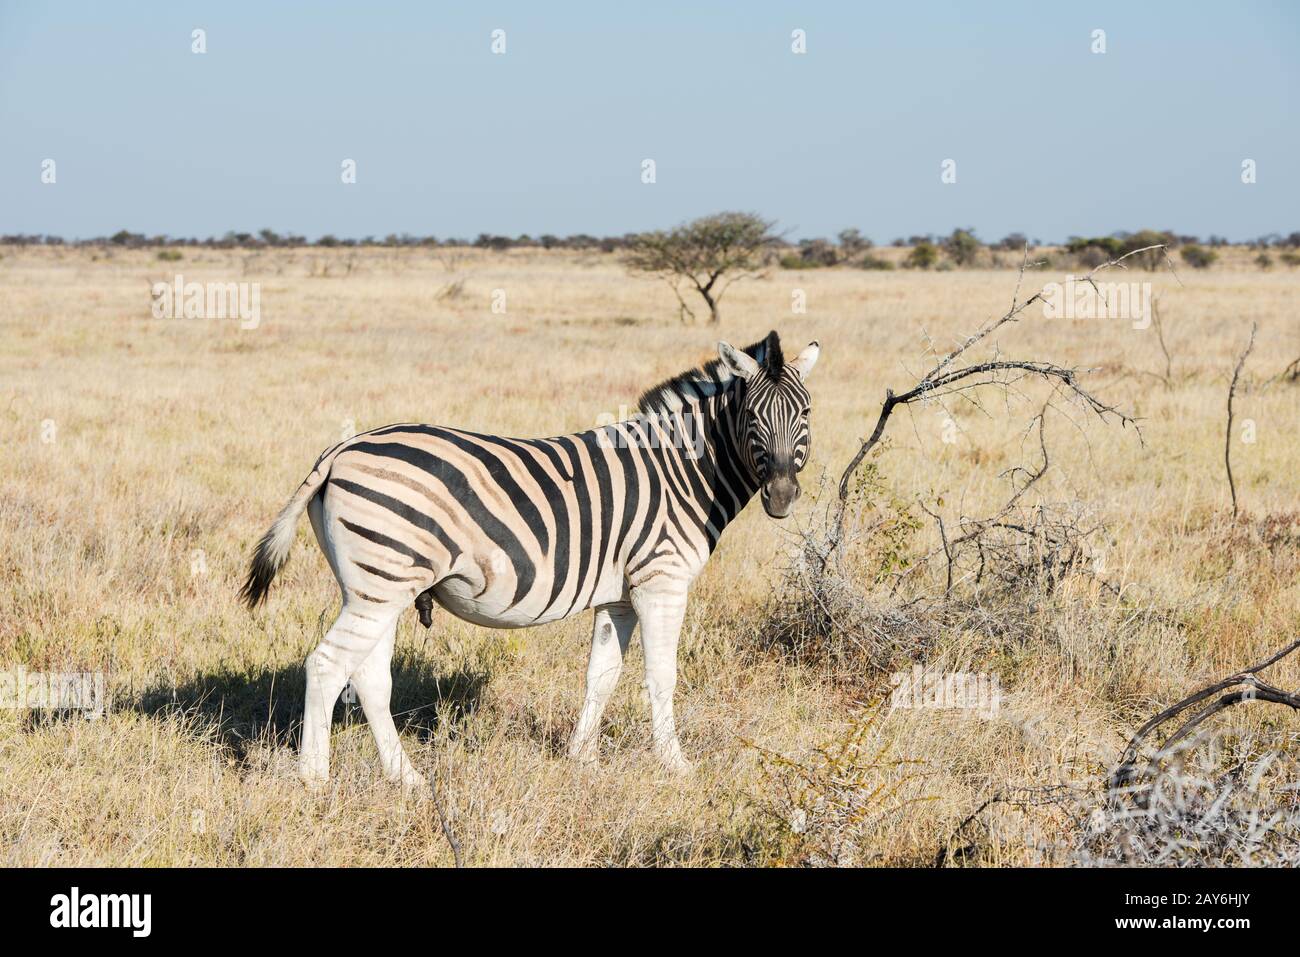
(272,549)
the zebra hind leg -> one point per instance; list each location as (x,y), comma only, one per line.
(373,682)
(353,637)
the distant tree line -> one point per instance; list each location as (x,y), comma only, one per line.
(270,239)
(960,248)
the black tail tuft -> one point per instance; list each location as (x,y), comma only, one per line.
(273,549)
(261,572)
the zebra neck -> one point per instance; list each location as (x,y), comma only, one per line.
(726,476)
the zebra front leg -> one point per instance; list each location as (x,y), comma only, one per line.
(611,631)
(661,613)
(373,681)
(350,640)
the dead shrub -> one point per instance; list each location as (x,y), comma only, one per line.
(1223,801)
(858,597)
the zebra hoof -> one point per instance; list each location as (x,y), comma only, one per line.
(314,782)
(585,755)
(415,784)
(681,767)
(674,761)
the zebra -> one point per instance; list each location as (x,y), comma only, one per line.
(510,533)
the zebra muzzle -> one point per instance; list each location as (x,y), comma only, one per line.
(779,496)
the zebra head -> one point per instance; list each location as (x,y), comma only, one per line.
(772,431)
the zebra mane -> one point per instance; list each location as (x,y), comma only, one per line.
(711,378)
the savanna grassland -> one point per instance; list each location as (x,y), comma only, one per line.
(143,457)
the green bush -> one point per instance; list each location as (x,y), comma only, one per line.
(1105,244)
(962,246)
(1148,237)
(853,242)
(819,252)
(923,256)
(1091,251)
(1198,257)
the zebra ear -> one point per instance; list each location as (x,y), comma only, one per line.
(803,363)
(738,363)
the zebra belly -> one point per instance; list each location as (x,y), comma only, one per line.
(465,596)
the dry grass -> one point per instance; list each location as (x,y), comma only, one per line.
(122,543)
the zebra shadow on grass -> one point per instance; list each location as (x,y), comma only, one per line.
(262,707)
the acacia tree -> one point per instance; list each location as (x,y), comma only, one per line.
(708,255)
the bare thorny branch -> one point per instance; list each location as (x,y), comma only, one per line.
(944,379)
(1227,442)
(1126,772)
(1165,378)
(973,529)
(445,824)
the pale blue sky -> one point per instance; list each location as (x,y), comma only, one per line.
(450,140)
